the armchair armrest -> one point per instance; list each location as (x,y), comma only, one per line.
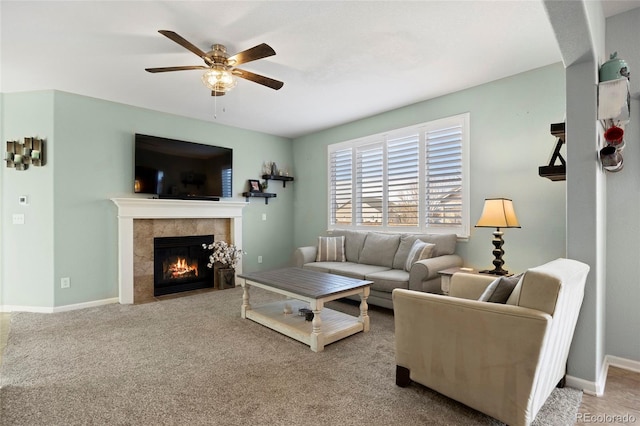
(459,347)
(303,255)
(427,269)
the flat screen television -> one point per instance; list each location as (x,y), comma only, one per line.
(170,168)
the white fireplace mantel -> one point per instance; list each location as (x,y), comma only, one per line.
(153,208)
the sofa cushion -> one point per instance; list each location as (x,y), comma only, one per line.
(500,289)
(353,243)
(445,244)
(379,249)
(324,266)
(406,242)
(330,249)
(387,280)
(420,250)
(355,270)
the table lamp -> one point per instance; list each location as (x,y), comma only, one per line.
(498,213)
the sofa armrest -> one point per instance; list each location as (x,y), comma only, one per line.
(485,355)
(427,269)
(303,255)
(469,286)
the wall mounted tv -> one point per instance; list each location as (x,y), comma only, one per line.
(169,168)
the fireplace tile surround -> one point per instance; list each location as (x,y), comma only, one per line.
(145,230)
(142,219)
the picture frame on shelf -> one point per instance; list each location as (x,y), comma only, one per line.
(255,185)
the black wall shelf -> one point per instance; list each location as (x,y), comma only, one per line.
(265,195)
(284,179)
(556,172)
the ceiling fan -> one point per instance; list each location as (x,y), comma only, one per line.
(221,72)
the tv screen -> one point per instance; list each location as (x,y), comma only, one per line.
(177,169)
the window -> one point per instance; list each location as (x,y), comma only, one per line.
(226,182)
(413,179)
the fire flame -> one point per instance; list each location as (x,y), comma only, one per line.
(181,268)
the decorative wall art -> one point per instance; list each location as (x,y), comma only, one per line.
(20,155)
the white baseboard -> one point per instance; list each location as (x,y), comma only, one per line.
(84,305)
(18,308)
(625,364)
(51,310)
(597,388)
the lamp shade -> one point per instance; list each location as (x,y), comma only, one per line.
(498,213)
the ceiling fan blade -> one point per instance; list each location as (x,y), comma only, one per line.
(260,79)
(257,52)
(184,43)
(185,68)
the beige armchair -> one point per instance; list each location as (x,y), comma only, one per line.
(501,359)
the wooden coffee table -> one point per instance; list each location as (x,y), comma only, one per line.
(308,289)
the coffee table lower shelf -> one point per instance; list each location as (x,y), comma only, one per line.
(335,325)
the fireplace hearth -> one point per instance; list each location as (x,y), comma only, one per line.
(180,264)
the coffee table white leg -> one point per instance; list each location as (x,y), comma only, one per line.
(245,300)
(364,308)
(317,337)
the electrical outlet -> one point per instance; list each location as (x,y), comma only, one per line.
(18,219)
(259,259)
(65,282)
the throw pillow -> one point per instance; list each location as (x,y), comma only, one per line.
(330,249)
(419,250)
(500,289)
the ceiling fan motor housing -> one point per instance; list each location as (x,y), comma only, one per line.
(219,54)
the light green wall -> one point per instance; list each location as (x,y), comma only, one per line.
(27,260)
(71,227)
(510,139)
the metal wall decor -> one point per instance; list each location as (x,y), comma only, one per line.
(20,154)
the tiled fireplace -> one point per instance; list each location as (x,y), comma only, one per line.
(140,220)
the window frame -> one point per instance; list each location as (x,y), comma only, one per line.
(383,138)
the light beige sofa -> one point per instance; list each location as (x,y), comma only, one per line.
(381,258)
(501,359)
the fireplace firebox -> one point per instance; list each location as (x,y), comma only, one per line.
(180,264)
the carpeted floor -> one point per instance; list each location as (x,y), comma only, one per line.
(193,360)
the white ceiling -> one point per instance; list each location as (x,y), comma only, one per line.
(340,61)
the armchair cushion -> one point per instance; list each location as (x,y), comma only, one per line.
(500,289)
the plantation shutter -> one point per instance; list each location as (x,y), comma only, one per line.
(370,184)
(413,179)
(402,178)
(226,182)
(444,177)
(341,191)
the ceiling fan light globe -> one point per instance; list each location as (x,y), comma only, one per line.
(219,79)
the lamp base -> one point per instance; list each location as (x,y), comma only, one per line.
(498,252)
(495,272)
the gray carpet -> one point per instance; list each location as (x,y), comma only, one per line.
(193,360)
